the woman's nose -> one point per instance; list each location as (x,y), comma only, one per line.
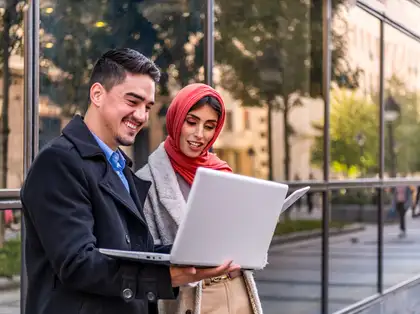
(199,132)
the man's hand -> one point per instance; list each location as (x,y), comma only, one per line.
(184,275)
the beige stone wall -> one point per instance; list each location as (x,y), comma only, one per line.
(16,122)
(16,117)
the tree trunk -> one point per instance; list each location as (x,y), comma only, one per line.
(286,139)
(5,107)
(286,148)
(270,139)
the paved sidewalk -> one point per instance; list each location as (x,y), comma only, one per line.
(291,283)
(10,302)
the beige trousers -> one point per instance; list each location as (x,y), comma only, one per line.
(226,297)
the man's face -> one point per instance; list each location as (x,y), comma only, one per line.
(124,109)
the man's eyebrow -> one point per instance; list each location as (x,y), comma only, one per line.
(137,96)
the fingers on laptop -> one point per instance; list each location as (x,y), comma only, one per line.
(217,271)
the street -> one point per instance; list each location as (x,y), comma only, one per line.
(291,283)
(10,302)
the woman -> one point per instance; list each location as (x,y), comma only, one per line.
(194,120)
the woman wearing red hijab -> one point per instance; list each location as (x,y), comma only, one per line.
(194,120)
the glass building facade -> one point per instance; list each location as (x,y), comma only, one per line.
(323,93)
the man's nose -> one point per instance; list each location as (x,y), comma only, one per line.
(140,114)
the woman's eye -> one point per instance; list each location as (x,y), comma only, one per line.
(209,127)
(191,122)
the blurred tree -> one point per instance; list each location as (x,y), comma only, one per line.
(271,53)
(353,118)
(406,128)
(80,31)
(353,114)
(77,32)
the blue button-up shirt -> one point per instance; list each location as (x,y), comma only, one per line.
(116,159)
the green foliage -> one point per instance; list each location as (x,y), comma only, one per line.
(257,38)
(352,115)
(289,31)
(354,197)
(406,128)
(81,32)
(270,52)
(270,48)
(291,226)
(10,258)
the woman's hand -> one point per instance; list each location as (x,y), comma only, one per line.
(184,275)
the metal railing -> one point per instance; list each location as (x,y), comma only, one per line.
(379,297)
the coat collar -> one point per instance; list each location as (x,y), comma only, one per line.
(132,201)
(166,184)
(77,132)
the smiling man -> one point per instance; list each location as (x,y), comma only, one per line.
(80,195)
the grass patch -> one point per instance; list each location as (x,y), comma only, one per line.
(291,226)
(10,257)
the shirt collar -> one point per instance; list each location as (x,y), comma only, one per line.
(109,152)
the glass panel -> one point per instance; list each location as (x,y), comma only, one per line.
(402,118)
(401,235)
(401,156)
(354,119)
(404,12)
(11,94)
(11,147)
(353,257)
(269,64)
(291,282)
(10,262)
(75,34)
(402,103)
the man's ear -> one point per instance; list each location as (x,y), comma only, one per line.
(97,93)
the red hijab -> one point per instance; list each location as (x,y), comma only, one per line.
(175,117)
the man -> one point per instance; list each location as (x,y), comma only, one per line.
(80,195)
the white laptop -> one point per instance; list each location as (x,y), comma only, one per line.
(229,217)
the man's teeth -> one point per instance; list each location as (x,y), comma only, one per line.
(131,125)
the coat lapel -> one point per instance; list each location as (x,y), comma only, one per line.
(113,185)
(166,184)
(138,190)
(79,134)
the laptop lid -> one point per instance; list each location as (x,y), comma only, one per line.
(229,217)
(292,198)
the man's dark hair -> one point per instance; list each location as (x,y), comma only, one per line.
(211,101)
(111,69)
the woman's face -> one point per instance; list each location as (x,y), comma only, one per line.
(198,130)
